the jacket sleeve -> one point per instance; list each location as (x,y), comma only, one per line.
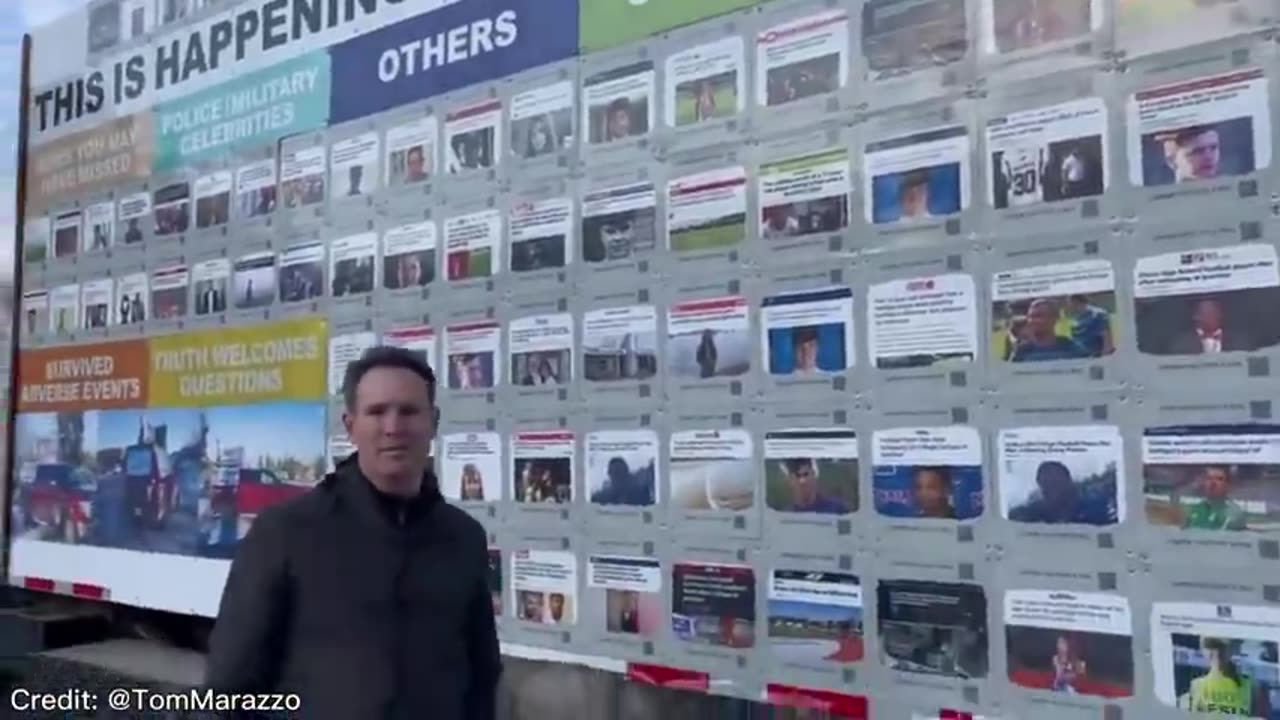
(482,650)
(246,647)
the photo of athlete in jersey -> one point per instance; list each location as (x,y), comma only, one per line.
(1034,173)
(1224,676)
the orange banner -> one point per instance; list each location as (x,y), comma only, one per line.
(105,376)
(90,161)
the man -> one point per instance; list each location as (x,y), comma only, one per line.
(806,495)
(355,180)
(368,596)
(618,120)
(1194,153)
(932,491)
(1208,336)
(1060,501)
(555,604)
(1216,511)
(805,345)
(132,233)
(1090,326)
(1042,340)
(913,197)
(415,165)
(623,487)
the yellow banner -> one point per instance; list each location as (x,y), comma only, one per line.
(241,366)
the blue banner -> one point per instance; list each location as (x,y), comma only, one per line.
(458,45)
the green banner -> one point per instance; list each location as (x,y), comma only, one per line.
(256,109)
(607,23)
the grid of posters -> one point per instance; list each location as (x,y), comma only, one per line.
(540,228)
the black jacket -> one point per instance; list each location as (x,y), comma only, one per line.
(367,607)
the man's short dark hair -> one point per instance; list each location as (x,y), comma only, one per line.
(621,104)
(1187,134)
(386,356)
(915,179)
(1079,299)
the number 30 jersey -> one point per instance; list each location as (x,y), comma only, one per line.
(1022,176)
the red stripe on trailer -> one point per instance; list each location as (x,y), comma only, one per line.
(88,592)
(668,677)
(834,704)
(38,584)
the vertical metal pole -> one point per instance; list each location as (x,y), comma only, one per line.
(20,215)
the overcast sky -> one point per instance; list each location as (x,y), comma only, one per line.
(15,17)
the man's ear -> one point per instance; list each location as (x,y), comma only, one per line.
(346,422)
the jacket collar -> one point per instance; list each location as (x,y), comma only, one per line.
(353,489)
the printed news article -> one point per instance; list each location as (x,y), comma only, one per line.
(811,471)
(302,272)
(471,467)
(353,266)
(928,473)
(711,470)
(542,120)
(619,223)
(921,322)
(473,245)
(622,467)
(709,338)
(542,467)
(1070,643)
(917,177)
(1220,659)
(256,189)
(706,82)
(1207,302)
(1051,313)
(409,256)
(471,350)
(804,195)
(630,591)
(714,605)
(1212,477)
(539,233)
(1048,154)
(213,199)
(354,165)
(541,349)
(808,333)
(1200,130)
(544,586)
(302,176)
(620,343)
(815,618)
(933,628)
(1069,474)
(803,58)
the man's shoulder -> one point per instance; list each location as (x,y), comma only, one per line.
(462,523)
(295,512)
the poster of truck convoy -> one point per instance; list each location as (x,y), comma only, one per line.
(180,481)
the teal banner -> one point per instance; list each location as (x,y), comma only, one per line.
(256,109)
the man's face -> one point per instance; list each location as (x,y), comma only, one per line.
(557,607)
(807,354)
(915,200)
(616,233)
(803,482)
(1208,316)
(931,491)
(619,124)
(1198,158)
(1215,483)
(392,423)
(1056,487)
(415,162)
(1041,317)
